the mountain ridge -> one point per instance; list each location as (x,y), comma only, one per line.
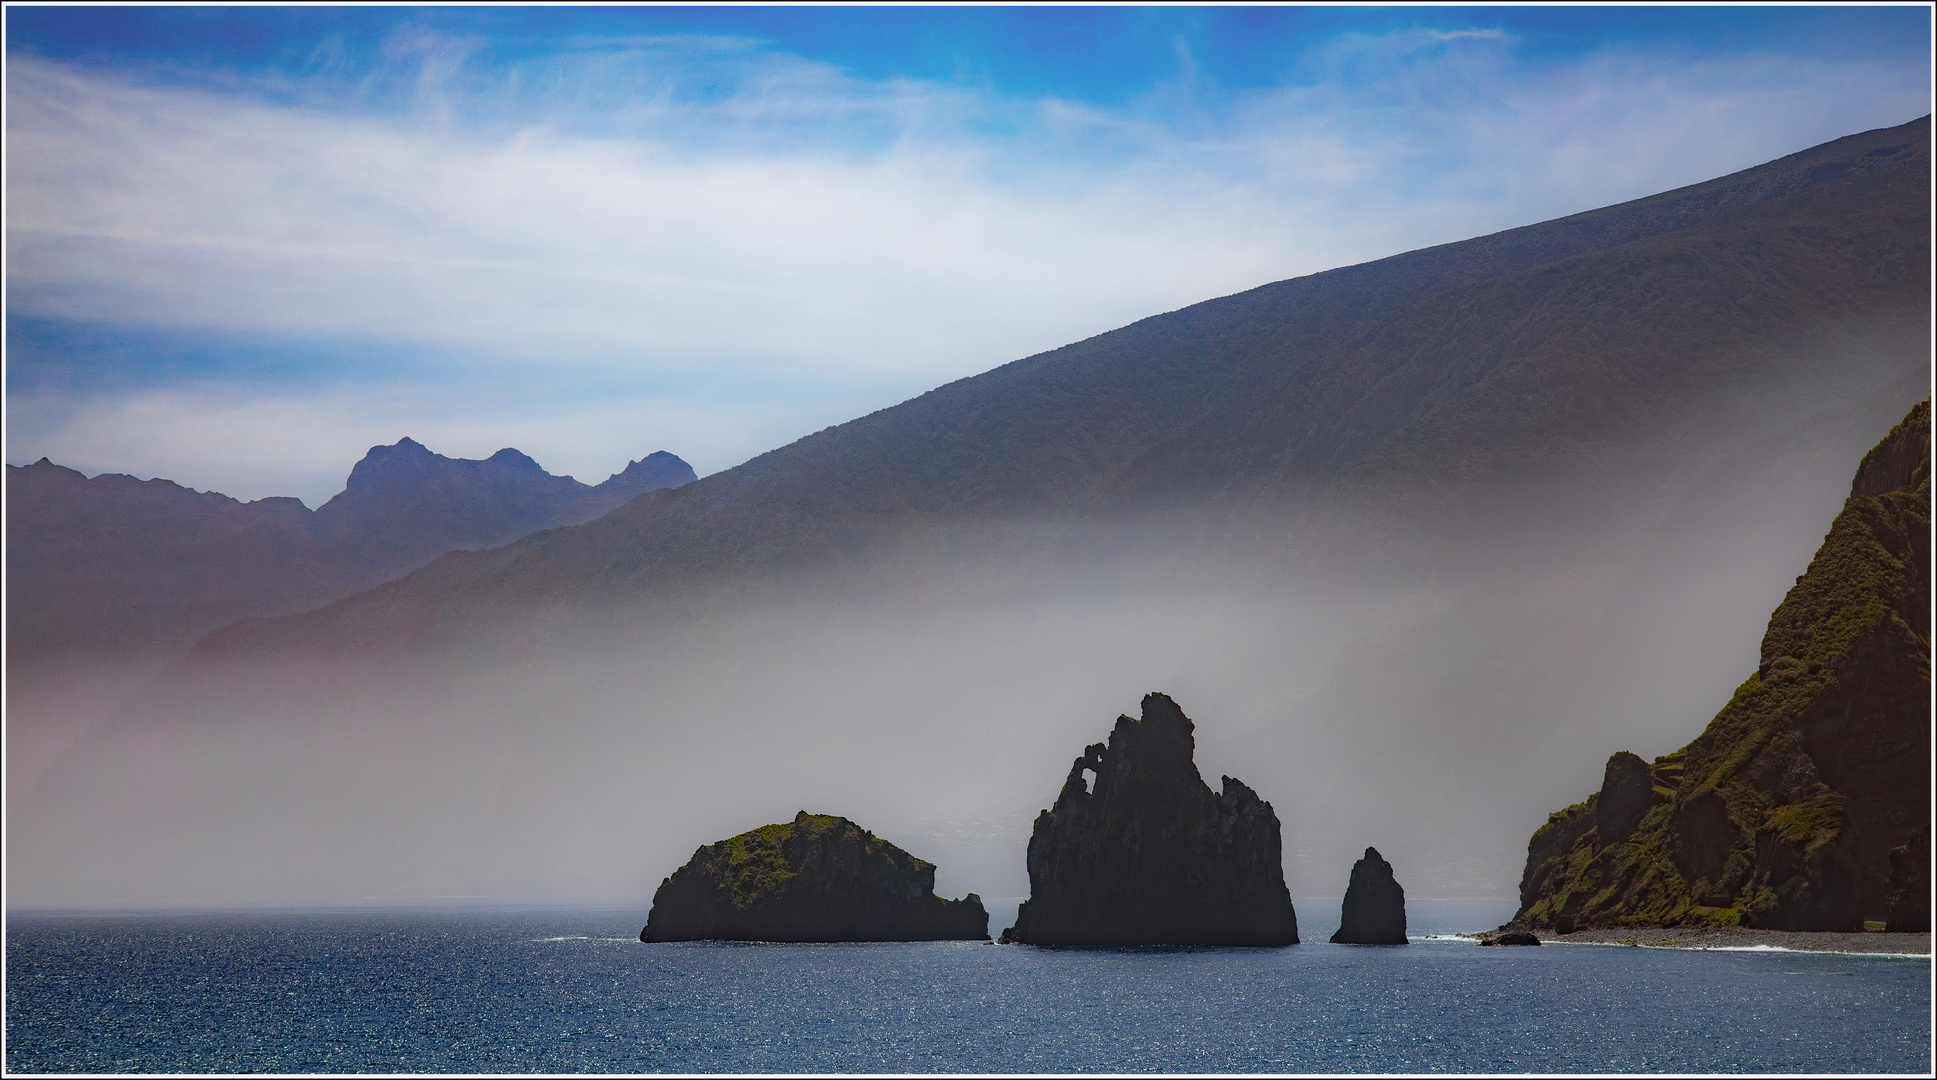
(1165,409)
(117,562)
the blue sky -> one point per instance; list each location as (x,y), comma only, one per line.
(245,244)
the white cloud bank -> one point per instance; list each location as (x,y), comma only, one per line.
(801,244)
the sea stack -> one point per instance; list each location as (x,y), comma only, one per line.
(817,878)
(1147,854)
(1374,912)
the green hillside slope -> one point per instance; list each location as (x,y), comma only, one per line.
(1785,812)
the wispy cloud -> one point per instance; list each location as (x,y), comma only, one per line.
(1465,35)
(651,211)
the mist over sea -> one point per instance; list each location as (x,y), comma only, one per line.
(573,990)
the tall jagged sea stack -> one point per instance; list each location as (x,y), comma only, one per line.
(1149,855)
(1805,805)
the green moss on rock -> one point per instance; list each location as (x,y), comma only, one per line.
(816,878)
(1785,811)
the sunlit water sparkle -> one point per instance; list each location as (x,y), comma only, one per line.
(574,991)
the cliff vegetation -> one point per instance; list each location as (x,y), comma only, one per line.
(1805,805)
(816,878)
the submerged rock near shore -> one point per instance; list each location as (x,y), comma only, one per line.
(1146,854)
(1374,909)
(1805,805)
(817,878)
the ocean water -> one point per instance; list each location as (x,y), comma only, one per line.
(575,991)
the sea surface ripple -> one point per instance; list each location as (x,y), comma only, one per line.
(574,991)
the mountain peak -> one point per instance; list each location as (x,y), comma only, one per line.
(405,445)
(416,504)
(510,457)
(158,562)
(658,469)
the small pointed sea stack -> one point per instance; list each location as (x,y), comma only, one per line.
(818,878)
(1149,855)
(1374,912)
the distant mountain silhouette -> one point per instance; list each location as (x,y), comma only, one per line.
(404,505)
(114,562)
(1420,388)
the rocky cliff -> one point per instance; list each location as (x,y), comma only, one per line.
(1374,909)
(817,878)
(1147,854)
(1909,885)
(1805,805)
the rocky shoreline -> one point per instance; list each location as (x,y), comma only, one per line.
(1738,937)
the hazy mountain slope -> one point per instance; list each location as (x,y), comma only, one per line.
(1407,530)
(404,505)
(110,578)
(1785,811)
(1528,355)
(1526,372)
(115,563)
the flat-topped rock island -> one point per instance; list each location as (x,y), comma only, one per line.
(816,878)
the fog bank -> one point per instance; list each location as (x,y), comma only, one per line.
(1437,707)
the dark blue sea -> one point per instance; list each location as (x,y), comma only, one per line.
(574,991)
